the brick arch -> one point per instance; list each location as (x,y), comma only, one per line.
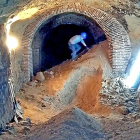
(120,46)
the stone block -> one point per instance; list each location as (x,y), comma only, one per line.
(6,109)
(123,110)
(40,76)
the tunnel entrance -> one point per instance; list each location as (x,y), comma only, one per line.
(55,49)
(50,43)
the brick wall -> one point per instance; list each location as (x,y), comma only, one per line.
(119,43)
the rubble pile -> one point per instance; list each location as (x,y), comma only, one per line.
(115,93)
(70,124)
(66,95)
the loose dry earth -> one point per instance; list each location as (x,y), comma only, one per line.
(74,84)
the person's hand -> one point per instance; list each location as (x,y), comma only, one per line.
(87,48)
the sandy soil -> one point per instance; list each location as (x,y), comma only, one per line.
(39,100)
(32,98)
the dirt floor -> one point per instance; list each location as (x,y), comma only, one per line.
(73,83)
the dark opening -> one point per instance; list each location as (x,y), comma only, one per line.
(50,43)
(55,46)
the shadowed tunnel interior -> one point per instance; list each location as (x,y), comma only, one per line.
(55,46)
(50,45)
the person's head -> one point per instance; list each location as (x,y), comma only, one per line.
(84,35)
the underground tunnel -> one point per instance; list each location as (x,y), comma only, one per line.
(49,81)
(50,43)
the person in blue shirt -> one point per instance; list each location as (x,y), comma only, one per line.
(74,46)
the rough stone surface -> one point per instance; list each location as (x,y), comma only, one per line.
(71,124)
(32,83)
(2,2)
(115,93)
(40,76)
(134,31)
(6,105)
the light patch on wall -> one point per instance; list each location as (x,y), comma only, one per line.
(131,79)
(11,42)
(27,13)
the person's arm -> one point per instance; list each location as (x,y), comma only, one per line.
(83,42)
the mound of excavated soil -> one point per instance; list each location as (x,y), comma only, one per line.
(71,124)
(63,83)
(87,97)
(72,83)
